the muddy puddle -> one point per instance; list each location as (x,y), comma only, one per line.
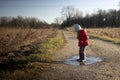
(89,60)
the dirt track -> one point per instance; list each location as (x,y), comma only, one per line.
(106,70)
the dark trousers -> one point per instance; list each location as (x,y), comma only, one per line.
(82,52)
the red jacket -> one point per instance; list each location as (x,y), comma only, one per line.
(82,37)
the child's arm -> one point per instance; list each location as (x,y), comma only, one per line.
(86,35)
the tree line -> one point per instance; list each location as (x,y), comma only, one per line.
(19,21)
(70,16)
(102,18)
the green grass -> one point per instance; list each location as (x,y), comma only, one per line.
(106,38)
(29,67)
(51,44)
(45,50)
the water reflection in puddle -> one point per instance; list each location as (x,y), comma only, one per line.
(89,60)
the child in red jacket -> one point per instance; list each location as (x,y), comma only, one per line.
(82,41)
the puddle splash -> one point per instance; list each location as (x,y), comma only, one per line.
(89,60)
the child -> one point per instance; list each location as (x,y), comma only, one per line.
(82,41)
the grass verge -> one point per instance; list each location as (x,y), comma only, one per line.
(105,38)
(44,51)
(28,67)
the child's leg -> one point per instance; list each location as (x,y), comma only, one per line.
(82,53)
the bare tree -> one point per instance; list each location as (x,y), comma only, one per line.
(78,14)
(4,21)
(68,12)
(58,20)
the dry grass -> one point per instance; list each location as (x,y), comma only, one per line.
(29,67)
(12,38)
(109,32)
(106,34)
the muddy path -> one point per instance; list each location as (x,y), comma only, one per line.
(108,69)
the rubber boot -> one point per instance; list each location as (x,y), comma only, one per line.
(82,57)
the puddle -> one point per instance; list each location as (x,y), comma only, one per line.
(89,60)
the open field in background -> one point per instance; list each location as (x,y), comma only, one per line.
(110,32)
(107,34)
(13,38)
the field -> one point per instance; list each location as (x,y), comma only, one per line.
(12,38)
(106,34)
(32,67)
(18,40)
(110,32)
(25,45)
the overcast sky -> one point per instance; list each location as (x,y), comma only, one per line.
(49,9)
